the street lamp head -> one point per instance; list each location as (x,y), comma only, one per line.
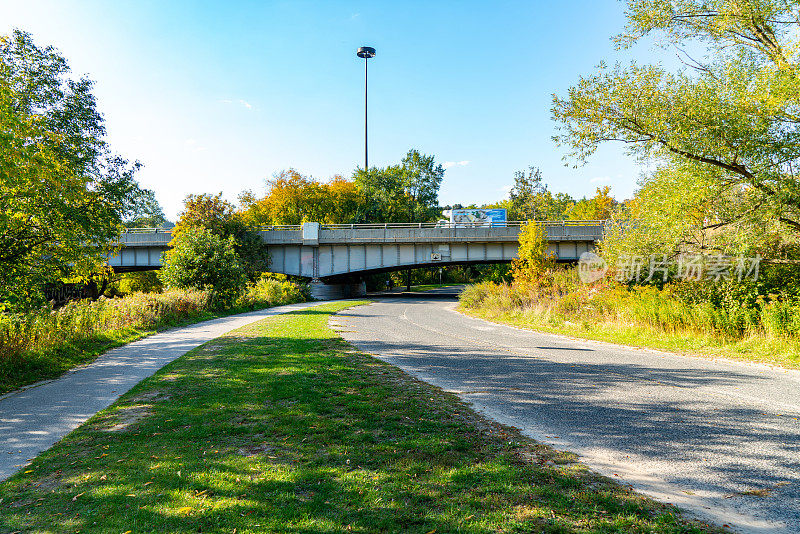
(366,52)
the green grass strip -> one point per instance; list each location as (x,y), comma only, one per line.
(283,427)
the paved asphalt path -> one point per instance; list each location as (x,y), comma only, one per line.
(33,419)
(718,438)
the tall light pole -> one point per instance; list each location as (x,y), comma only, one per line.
(366,52)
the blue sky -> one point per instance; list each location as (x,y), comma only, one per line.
(219,96)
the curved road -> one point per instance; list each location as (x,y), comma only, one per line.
(718,438)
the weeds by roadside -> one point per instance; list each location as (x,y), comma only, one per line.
(714,320)
(44,343)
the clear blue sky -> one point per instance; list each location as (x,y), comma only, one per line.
(217,96)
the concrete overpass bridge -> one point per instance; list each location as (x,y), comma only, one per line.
(335,257)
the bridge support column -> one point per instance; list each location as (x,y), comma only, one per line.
(323,291)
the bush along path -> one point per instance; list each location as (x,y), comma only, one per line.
(281,426)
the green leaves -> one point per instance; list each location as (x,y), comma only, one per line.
(729,118)
(217,215)
(62,194)
(533,258)
(408,192)
(201,259)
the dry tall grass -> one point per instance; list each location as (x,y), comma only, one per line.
(44,343)
(670,309)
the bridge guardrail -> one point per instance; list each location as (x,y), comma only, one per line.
(147,231)
(380,226)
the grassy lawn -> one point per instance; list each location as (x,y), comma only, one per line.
(283,427)
(780,352)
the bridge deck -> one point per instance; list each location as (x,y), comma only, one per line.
(322,251)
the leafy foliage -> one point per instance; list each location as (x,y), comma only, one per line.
(407,192)
(217,215)
(729,117)
(268,291)
(533,260)
(531,199)
(293,199)
(44,343)
(201,259)
(599,207)
(137,282)
(63,195)
(728,317)
(145,211)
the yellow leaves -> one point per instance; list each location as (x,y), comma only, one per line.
(533,258)
(292,198)
(185,510)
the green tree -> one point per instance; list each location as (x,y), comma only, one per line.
(422,178)
(729,116)
(408,192)
(145,211)
(527,187)
(386,199)
(202,259)
(63,195)
(217,215)
(530,199)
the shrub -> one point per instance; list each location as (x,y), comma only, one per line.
(781,318)
(534,260)
(474,295)
(203,260)
(45,342)
(268,292)
(140,282)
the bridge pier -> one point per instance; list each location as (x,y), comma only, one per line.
(324,291)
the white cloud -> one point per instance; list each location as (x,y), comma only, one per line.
(598,179)
(506,189)
(448,164)
(241,101)
(191,144)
